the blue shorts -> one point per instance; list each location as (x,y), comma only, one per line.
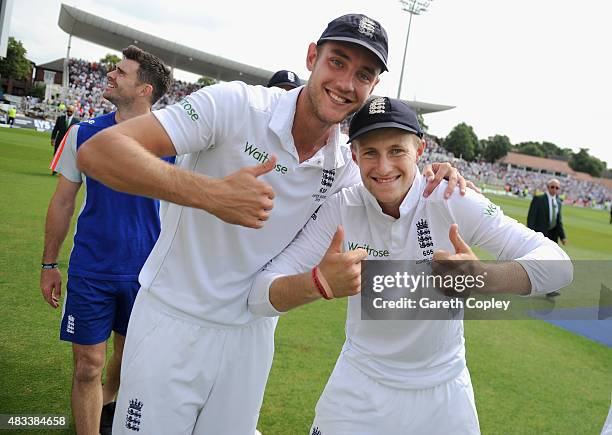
(93,308)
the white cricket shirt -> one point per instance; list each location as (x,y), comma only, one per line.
(411,354)
(201,266)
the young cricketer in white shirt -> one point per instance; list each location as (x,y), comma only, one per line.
(399,377)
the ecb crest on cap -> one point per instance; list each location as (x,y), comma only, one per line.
(290,76)
(377,106)
(367,27)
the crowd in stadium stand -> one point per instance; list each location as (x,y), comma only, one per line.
(520,182)
(178,90)
(87,81)
(86,85)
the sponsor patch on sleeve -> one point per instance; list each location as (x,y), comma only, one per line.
(491,209)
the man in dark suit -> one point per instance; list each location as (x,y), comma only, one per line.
(62,124)
(545,215)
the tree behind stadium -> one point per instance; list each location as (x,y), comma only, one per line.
(206,81)
(110,59)
(15,65)
(462,142)
(583,162)
(495,147)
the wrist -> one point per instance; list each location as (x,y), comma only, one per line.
(321,284)
(209,193)
(49,266)
(480,268)
(490,273)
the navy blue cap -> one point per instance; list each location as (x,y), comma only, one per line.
(285,78)
(361,30)
(384,112)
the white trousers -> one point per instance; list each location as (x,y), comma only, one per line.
(181,376)
(607,429)
(355,404)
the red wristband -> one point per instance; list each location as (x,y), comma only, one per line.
(318,285)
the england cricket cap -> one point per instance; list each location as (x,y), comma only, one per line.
(361,30)
(284,77)
(384,112)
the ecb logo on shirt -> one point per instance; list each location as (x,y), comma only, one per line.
(424,239)
(327,180)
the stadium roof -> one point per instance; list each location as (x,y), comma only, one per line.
(423,108)
(54,65)
(117,36)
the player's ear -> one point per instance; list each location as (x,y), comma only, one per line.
(421,144)
(374,85)
(146,90)
(354,147)
(311,56)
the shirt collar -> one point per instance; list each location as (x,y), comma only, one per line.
(333,155)
(282,119)
(414,194)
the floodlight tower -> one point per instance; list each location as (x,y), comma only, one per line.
(413,7)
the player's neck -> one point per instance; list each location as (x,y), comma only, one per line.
(309,133)
(126,112)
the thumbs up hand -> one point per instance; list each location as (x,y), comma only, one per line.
(242,198)
(462,250)
(262,168)
(463,262)
(342,270)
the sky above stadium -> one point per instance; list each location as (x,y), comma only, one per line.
(532,70)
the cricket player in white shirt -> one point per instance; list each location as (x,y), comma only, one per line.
(196,360)
(400,377)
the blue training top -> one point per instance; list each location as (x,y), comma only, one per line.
(115,231)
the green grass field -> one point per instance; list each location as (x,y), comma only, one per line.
(529,377)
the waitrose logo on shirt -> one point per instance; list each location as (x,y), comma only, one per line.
(189,109)
(261,156)
(371,251)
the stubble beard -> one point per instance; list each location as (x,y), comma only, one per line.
(317,102)
(118,100)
